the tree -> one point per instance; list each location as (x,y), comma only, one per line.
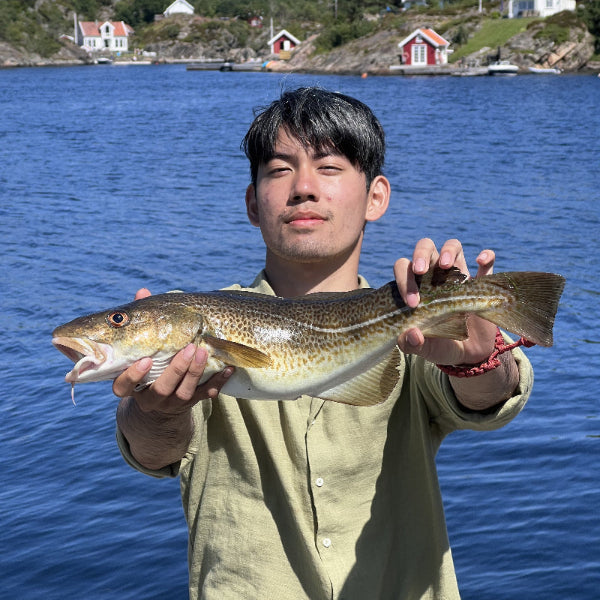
(591,16)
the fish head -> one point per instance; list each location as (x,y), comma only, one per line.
(102,345)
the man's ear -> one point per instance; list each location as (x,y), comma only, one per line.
(252,205)
(379,198)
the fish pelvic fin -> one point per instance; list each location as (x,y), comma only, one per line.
(453,327)
(371,387)
(237,355)
(534,303)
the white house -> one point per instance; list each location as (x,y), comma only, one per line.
(539,8)
(179,7)
(283,41)
(110,35)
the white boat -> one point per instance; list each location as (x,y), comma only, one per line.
(502,67)
(544,71)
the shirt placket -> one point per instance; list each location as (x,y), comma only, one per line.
(316,452)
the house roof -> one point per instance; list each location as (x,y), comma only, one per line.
(429,34)
(284,33)
(92,28)
(183,3)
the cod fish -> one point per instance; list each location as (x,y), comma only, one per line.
(334,346)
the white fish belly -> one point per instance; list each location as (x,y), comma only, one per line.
(268,384)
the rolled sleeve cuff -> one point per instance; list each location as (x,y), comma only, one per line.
(168,471)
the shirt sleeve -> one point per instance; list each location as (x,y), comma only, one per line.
(449,415)
(168,471)
(201,412)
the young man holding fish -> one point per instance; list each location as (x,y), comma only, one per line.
(309,498)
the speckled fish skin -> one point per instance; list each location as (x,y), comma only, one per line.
(320,344)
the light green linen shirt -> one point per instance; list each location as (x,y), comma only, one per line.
(316,500)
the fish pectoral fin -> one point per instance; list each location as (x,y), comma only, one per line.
(453,328)
(371,387)
(237,355)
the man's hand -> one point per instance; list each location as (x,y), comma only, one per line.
(176,390)
(476,393)
(482,333)
(157,421)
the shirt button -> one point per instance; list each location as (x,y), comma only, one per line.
(319,481)
(326,542)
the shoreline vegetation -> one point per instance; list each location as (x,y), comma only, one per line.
(361,39)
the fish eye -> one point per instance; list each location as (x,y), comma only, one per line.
(117,319)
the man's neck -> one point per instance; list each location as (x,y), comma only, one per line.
(297,279)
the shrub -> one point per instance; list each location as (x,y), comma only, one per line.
(342,33)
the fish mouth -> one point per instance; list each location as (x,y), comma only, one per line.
(89,357)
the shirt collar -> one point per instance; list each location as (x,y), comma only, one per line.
(261,284)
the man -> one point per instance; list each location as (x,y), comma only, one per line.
(313,499)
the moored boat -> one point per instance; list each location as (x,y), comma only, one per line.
(503,67)
(544,71)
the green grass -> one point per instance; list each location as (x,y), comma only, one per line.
(493,33)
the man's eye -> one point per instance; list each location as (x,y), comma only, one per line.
(278,170)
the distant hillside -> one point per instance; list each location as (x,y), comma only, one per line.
(362,36)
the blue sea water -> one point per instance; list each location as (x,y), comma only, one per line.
(113,178)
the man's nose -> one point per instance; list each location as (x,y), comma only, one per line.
(305,185)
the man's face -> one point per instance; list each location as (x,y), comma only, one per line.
(310,207)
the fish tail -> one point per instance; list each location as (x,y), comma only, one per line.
(534,299)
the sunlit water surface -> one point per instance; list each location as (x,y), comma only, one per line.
(116,178)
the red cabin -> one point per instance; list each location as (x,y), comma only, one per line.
(424,47)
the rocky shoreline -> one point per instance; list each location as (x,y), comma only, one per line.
(373,55)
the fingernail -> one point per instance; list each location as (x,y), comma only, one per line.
(446,260)
(143,364)
(200,356)
(413,338)
(419,266)
(227,372)
(189,351)
(412,299)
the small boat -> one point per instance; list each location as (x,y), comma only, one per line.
(544,71)
(220,65)
(103,60)
(502,67)
(206,65)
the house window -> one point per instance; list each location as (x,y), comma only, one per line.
(419,54)
(107,30)
(549,3)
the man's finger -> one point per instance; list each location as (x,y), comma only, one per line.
(486,260)
(142,293)
(125,383)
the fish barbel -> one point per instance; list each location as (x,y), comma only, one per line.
(327,345)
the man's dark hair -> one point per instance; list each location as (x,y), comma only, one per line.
(323,121)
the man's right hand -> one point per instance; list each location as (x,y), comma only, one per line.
(176,390)
(157,421)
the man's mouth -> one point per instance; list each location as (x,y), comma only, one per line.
(301,219)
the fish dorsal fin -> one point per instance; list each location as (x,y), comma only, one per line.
(437,276)
(371,387)
(237,355)
(453,327)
